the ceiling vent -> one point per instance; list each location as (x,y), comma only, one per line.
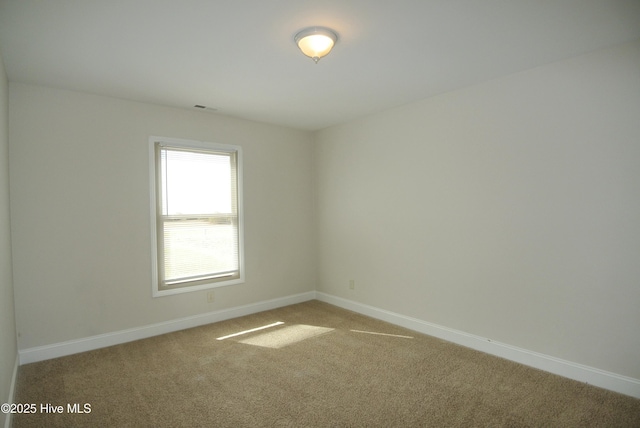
(201,107)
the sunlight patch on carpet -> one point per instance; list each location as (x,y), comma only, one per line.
(286,336)
(264,327)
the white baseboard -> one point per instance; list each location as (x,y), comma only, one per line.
(601,378)
(593,376)
(46,352)
(12,393)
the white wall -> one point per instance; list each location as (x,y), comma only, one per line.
(509,210)
(8,347)
(80,212)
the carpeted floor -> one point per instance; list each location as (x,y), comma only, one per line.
(307,365)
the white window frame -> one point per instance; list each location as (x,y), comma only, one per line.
(157,291)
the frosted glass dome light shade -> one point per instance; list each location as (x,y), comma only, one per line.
(316,42)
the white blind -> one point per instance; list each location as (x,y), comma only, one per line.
(197,220)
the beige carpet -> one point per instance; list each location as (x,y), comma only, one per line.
(308,365)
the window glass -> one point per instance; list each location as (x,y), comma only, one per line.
(197,220)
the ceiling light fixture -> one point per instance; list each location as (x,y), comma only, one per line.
(316,42)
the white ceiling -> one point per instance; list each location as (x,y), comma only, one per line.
(238,56)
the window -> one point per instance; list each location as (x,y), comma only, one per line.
(196,205)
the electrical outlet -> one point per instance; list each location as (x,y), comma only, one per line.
(352,284)
(211,297)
